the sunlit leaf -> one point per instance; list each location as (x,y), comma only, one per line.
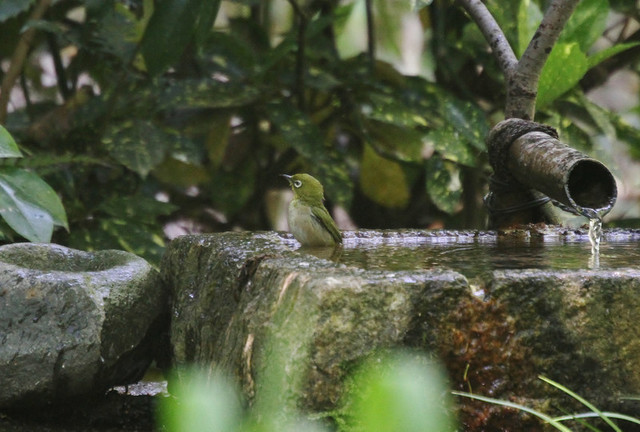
(443,184)
(565,66)
(8,147)
(586,24)
(383,181)
(29,205)
(529,18)
(139,145)
(168,32)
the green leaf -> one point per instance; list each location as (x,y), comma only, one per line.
(468,119)
(395,142)
(565,66)
(529,18)
(170,29)
(11,8)
(443,184)
(390,109)
(206,18)
(448,143)
(606,53)
(207,93)
(139,145)
(586,24)
(117,32)
(29,205)
(302,135)
(8,147)
(383,181)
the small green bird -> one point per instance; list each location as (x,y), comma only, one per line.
(309,221)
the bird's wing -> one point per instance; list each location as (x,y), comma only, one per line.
(322,216)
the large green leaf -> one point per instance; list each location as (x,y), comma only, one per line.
(139,145)
(395,142)
(443,184)
(586,24)
(8,147)
(302,135)
(29,205)
(383,180)
(529,18)
(565,66)
(170,29)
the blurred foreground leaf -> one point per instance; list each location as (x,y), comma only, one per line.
(400,392)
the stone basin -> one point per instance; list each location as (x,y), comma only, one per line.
(74,323)
(495,329)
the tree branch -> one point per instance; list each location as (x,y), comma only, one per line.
(522,86)
(522,76)
(493,34)
(18,58)
(371,36)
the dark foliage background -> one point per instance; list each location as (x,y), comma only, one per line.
(142,115)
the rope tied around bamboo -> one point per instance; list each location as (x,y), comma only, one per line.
(532,165)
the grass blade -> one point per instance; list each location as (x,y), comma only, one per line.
(508,404)
(582,400)
(595,414)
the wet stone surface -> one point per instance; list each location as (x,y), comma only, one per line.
(497,326)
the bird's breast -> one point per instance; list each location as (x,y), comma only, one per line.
(306,228)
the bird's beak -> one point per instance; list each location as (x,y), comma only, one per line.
(287,176)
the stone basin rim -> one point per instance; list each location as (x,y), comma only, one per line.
(54,258)
(536,234)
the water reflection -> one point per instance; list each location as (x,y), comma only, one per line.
(477,257)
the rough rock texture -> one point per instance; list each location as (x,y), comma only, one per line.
(245,302)
(73,323)
(581,328)
(253,305)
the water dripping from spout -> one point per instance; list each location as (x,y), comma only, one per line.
(595,234)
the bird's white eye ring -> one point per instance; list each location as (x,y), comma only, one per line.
(297,183)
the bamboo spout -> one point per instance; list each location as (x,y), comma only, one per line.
(528,159)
